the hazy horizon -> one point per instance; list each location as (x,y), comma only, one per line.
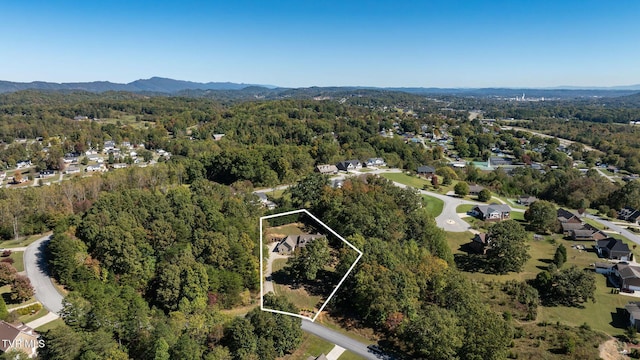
(446,44)
(560,87)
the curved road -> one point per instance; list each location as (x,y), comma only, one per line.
(36,267)
(449,220)
(339,339)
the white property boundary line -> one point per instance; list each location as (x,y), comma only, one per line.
(262,265)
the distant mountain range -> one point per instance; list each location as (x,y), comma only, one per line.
(158,85)
(155,84)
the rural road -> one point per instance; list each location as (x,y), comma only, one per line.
(339,339)
(615,227)
(36,268)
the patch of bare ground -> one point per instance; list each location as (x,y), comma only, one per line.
(610,350)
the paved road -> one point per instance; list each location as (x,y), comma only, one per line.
(615,227)
(35,266)
(610,178)
(448,219)
(339,339)
(563,141)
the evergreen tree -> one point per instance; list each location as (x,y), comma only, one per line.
(560,257)
(3,309)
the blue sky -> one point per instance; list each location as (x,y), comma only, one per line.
(447,43)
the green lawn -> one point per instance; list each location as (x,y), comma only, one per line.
(604,315)
(289,229)
(311,346)
(52,325)
(517,215)
(5,290)
(348,355)
(593,223)
(278,264)
(18,261)
(276,194)
(464,208)
(22,241)
(434,205)
(511,202)
(364,335)
(541,252)
(405,179)
(601,315)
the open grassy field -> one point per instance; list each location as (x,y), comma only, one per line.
(606,314)
(126,120)
(434,205)
(278,232)
(405,179)
(464,208)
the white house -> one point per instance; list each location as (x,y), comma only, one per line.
(93,168)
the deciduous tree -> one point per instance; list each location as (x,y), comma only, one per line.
(461,188)
(508,250)
(21,288)
(484,195)
(541,215)
(310,259)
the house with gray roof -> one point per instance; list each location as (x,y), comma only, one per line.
(615,249)
(475,189)
(327,169)
(264,200)
(375,162)
(349,165)
(290,243)
(527,200)
(492,212)
(627,276)
(426,171)
(566,216)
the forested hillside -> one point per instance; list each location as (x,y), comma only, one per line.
(159,260)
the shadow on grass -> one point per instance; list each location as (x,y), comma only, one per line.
(323,284)
(619,319)
(474,263)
